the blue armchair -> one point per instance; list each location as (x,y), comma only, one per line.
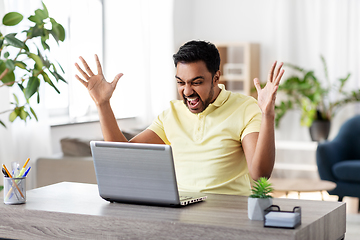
(339,160)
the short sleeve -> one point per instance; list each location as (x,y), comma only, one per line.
(252,118)
(157,126)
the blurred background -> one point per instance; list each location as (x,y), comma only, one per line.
(139,37)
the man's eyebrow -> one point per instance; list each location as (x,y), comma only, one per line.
(195,78)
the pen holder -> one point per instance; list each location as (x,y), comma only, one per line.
(14,190)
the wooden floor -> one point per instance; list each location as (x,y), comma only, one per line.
(352,214)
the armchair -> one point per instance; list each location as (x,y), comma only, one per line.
(339,160)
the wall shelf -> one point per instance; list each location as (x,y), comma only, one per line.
(240,64)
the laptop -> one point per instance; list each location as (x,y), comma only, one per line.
(138,173)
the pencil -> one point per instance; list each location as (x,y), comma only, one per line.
(13,181)
(7,171)
(26,162)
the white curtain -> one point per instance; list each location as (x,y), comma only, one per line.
(23,140)
(138,42)
(305,29)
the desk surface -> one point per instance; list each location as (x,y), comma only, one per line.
(76,210)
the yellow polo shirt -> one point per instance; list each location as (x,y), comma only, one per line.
(207,149)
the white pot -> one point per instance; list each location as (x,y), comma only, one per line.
(256,207)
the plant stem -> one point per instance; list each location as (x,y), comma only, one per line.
(27,38)
(10,83)
(4,73)
(6,111)
(7,70)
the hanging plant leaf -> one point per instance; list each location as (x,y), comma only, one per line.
(41,14)
(37,18)
(37,60)
(23,114)
(46,12)
(21,87)
(33,113)
(12,18)
(40,55)
(45,45)
(10,64)
(32,86)
(13,41)
(13,115)
(58,76)
(61,31)
(20,64)
(9,77)
(60,67)
(48,80)
(35,31)
(57,31)
(16,99)
(1,122)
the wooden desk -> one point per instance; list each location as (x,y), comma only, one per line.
(75,210)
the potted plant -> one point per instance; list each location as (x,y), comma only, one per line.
(260,199)
(25,62)
(318,101)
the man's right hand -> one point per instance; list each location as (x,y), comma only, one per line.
(100,90)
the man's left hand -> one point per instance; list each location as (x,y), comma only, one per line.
(267,95)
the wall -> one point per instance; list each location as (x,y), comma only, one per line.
(226,21)
(220,21)
(282,29)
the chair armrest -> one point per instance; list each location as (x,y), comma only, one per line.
(328,154)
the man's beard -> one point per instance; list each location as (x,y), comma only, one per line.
(205,103)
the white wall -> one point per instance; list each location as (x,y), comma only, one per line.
(227,21)
(216,21)
(285,31)
(224,21)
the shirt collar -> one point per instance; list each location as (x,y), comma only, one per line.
(223,96)
(219,101)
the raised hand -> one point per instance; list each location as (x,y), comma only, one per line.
(267,95)
(100,90)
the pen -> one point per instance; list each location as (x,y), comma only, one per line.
(6,175)
(13,181)
(23,168)
(4,172)
(24,175)
(7,171)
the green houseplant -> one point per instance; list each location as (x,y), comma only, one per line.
(25,62)
(260,199)
(318,101)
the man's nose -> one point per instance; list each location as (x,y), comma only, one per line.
(188,91)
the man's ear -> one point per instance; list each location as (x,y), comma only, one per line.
(217,77)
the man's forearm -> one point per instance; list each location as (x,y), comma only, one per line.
(109,127)
(264,157)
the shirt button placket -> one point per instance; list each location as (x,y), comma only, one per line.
(199,128)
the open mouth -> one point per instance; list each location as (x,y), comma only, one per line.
(193,102)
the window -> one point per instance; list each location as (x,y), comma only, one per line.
(133,37)
(82,20)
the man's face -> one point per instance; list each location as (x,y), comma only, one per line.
(196,85)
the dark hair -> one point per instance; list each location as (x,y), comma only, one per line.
(194,51)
